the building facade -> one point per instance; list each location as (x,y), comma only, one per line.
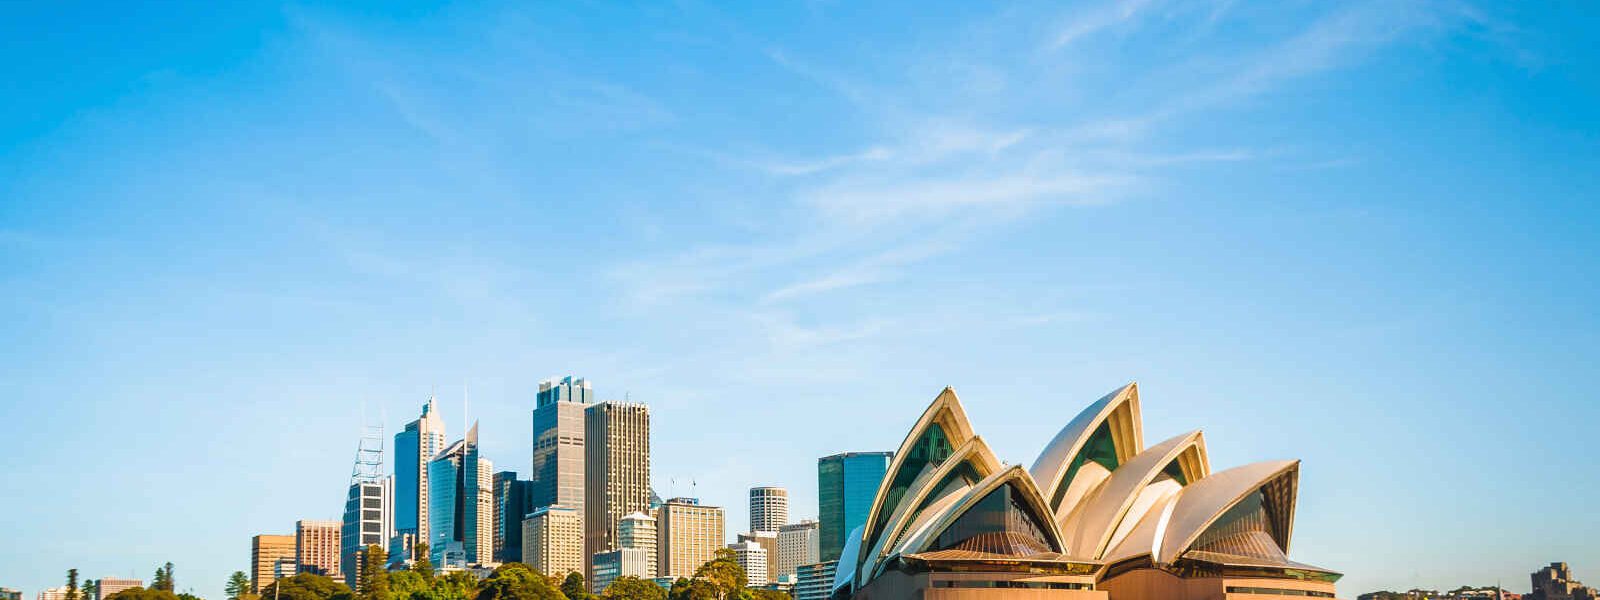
(638,531)
(614,564)
(752,557)
(689,534)
(10,594)
(316,548)
(616,470)
(552,541)
(1555,583)
(768,540)
(558,443)
(846,484)
(461,505)
(366,523)
(797,545)
(511,506)
(266,553)
(414,449)
(55,593)
(814,581)
(106,586)
(769,508)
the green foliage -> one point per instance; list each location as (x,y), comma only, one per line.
(573,588)
(139,593)
(188,596)
(692,589)
(307,586)
(408,585)
(373,584)
(91,588)
(633,588)
(238,585)
(766,594)
(163,581)
(422,564)
(724,573)
(515,581)
(455,585)
(72,584)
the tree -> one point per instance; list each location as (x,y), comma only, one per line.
(516,581)
(162,582)
(766,594)
(306,586)
(692,589)
(455,585)
(91,588)
(423,564)
(408,585)
(633,588)
(188,596)
(373,583)
(723,573)
(139,593)
(573,588)
(72,584)
(238,585)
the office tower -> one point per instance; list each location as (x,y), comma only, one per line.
(688,534)
(616,470)
(106,586)
(622,562)
(316,547)
(846,486)
(814,581)
(769,508)
(753,559)
(266,551)
(638,531)
(414,448)
(552,540)
(366,505)
(768,540)
(797,545)
(461,505)
(558,443)
(510,508)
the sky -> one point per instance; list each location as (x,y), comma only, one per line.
(1361,234)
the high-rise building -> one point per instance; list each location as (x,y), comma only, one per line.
(414,448)
(622,562)
(768,540)
(552,540)
(558,443)
(752,558)
(797,545)
(846,486)
(316,547)
(461,505)
(689,534)
(511,506)
(266,551)
(616,470)
(814,581)
(106,586)
(638,531)
(366,523)
(769,508)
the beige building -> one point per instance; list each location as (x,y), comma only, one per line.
(316,547)
(797,545)
(689,534)
(752,557)
(106,586)
(637,531)
(55,593)
(552,541)
(769,508)
(768,540)
(1099,516)
(616,471)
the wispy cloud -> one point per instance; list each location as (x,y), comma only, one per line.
(1108,15)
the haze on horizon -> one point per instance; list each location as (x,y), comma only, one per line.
(1361,234)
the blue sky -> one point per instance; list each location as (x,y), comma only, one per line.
(1360,233)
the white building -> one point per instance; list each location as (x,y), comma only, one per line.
(622,562)
(638,530)
(797,545)
(753,559)
(769,508)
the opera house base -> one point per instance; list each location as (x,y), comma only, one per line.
(1153,584)
(980,586)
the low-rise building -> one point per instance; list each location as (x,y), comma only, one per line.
(615,564)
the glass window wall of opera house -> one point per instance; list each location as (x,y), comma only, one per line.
(1098,516)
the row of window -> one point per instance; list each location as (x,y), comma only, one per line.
(1028,585)
(1277,592)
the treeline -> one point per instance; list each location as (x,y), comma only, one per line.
(161,587)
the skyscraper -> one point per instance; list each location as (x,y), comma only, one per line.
(846,486)
(511,505)
(552,541)
(558,443)
(266,552)
(461,504)
(797,545)
(366,505)
(638,531)
(616,470)
(688,534)
(316,547)
(414,448)
(769,508)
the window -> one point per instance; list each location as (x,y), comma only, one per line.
(1000,523)
(1028,585)
(1100,448)
(1278,592)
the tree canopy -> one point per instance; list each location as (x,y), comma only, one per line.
(516,581)
(633,588)
(306,586)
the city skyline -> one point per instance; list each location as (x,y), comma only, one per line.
(234,236)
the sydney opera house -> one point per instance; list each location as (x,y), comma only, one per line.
(1098,516)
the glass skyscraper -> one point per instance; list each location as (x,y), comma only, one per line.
(846,485)
(558,443)
(414,448)
(461,505)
